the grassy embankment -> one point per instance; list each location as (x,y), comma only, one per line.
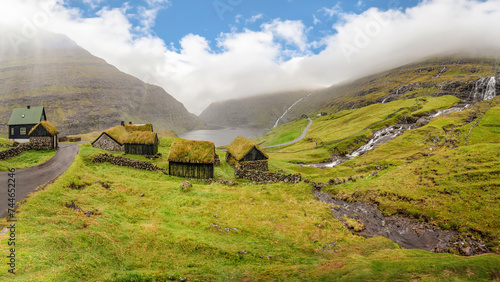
(26,159)
(432,175)
(280,233)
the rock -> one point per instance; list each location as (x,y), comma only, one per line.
(423,121)
(186,185)
(142,195)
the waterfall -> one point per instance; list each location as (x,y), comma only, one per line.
(484,89)
(289,108)
(389,96)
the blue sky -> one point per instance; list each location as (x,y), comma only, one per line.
(204,51)
(209,18)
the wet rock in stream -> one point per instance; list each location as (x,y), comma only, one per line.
(408,233)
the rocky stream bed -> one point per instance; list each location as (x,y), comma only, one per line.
(408,233)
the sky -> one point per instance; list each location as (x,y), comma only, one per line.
(203,51)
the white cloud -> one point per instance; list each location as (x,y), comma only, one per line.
(249,62)
(331,12)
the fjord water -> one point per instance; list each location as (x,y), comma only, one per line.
(221,135)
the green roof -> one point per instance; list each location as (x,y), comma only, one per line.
(19,116)
(187,151)
(141,137)
(139,127)
(122,134)
(240,147)
(47,125)
(118,133)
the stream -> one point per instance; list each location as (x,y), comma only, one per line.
(408,233)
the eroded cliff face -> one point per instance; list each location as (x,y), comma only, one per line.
(82,93)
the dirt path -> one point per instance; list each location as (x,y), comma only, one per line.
(296,140)
(28,179)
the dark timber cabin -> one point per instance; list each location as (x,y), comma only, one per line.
(192,159)
(142,143)
(22,120)
(43,136)
(115,138)
(245,152)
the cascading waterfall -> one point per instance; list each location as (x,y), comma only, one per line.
(289,108)
(484,89)
(389,96)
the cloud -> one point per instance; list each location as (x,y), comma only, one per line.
(331,12)
(278,55)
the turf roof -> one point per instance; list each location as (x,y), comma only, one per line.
(118,133)
(141,137)
(47,125)
(240,147)
(141,127)
(188,151)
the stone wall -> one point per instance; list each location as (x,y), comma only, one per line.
(106,143)
(253,165)
(268,177)
(12,152)
(41,143)
(122,161)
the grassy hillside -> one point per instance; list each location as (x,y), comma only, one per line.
(144,227)
(435,77)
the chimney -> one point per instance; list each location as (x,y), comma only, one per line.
(29,107)
(122,123)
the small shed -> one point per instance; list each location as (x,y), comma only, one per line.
(142,143)
(22,120)
(43,136)
(192,159)
(244,152)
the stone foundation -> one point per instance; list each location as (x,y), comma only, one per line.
(253,165)
(41,143)
(268,177)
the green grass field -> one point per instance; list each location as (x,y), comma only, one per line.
(144,227)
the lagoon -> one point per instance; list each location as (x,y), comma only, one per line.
(221,135)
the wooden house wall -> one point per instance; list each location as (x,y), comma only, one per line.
(188,170)
(254,155)
(141,149)
(17,131)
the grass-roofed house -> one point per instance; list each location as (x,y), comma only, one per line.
(246,154)
(192,159)
(129,137)
(22,120)
(43,136)
(142,143)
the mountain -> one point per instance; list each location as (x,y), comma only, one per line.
(252,112)
(81,93)
(458,76)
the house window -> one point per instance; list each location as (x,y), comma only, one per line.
(12,131)
(23,130)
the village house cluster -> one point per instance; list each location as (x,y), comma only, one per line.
(187,158)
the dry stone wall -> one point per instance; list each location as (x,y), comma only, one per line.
(15,151)
(268,177)
(122,161)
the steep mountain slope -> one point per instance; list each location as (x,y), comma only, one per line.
(252,112)
(458,76)
(82,93)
